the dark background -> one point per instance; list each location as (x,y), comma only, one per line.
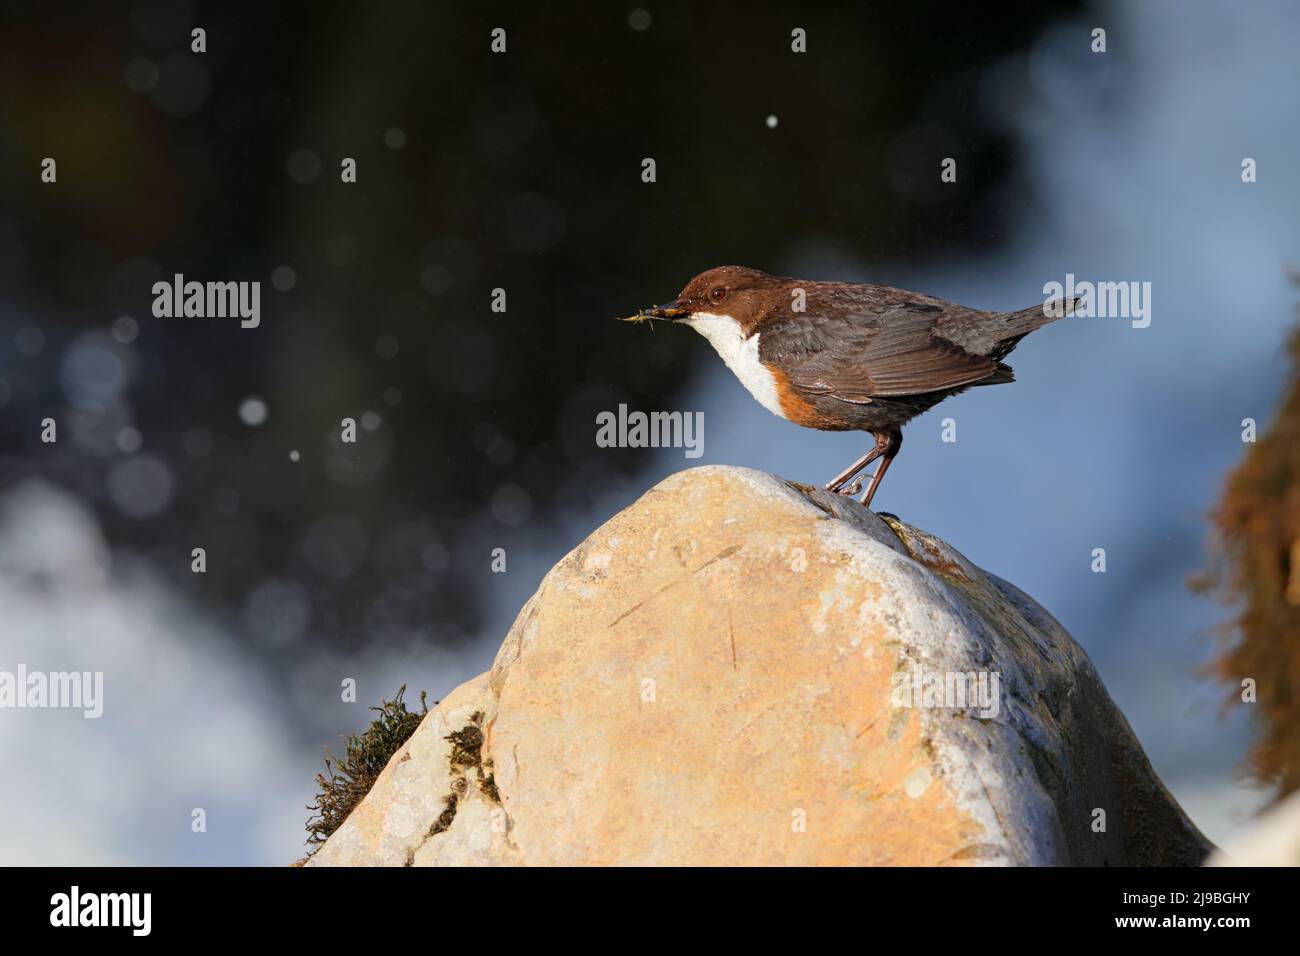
(522,171)
(519,171)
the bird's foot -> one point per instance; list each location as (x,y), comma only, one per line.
(851,489)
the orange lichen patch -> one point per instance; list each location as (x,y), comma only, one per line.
(978,593)
(932,554)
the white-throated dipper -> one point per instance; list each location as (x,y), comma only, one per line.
(848,356)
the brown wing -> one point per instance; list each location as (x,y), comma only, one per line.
(888,352)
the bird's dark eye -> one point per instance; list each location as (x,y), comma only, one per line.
(718,294)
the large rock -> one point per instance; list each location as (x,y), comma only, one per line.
(738,670)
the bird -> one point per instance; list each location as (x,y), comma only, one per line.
(849,356)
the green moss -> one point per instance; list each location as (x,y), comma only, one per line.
(467,744)
(349,778)
(448,814)
(467,754)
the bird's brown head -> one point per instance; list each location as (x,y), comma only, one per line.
(744,294)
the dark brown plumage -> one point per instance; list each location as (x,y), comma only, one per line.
(842,356)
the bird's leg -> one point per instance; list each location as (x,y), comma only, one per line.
(891,441)
(837,483)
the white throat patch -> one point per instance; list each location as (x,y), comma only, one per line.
(741,356)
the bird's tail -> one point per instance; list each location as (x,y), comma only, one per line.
(1020,324)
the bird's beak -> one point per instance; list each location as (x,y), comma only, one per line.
(674,311)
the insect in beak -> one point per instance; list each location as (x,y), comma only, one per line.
(658,312)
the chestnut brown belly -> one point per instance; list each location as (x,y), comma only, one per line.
(827,413)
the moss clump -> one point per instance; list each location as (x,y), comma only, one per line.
(467,754)
(349,778)
(447,816)
(467,744)
(1257,570)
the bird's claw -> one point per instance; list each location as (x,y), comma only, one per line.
(851,489)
